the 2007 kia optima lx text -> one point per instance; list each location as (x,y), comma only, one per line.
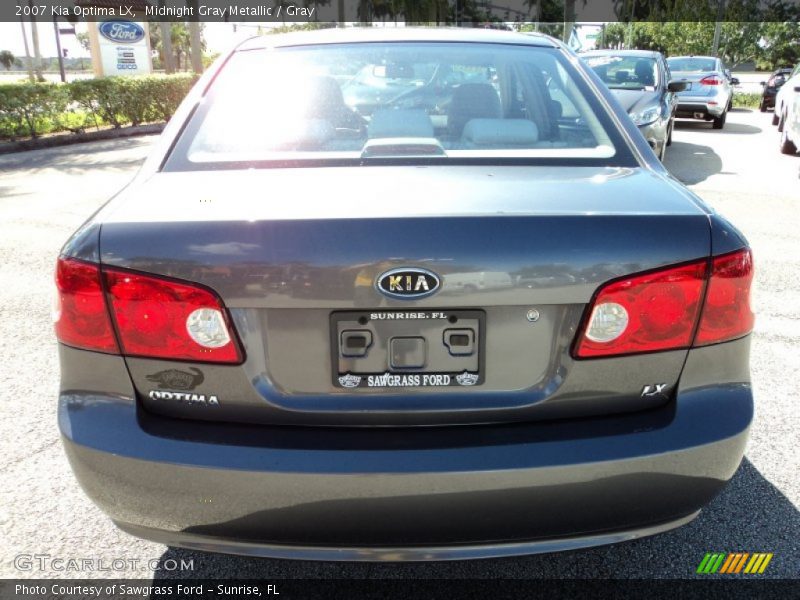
(403,295)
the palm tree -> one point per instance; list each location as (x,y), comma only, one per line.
(37,55)
(7,59)
(178,43)
(27,50)
(182,44)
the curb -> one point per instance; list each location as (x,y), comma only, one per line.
(80,138)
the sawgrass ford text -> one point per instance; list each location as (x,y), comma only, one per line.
(143,591)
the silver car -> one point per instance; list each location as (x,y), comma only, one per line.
(471,317)
(709,92)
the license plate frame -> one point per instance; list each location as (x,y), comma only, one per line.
(442,368)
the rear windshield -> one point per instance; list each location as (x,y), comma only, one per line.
(691,65)
(396,100)
(625,72)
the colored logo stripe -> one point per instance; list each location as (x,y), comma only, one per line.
(711,562)
(758,563)
(733,562)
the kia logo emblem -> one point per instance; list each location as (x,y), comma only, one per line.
(122,32)
(407,283)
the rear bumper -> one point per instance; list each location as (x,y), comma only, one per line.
(405,553)
(420,494)
(690,108)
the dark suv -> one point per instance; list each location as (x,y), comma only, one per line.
(771,87)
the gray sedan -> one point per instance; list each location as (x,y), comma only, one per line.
(639,79)
(483,327)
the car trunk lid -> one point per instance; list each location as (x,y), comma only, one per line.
(696,88)
(295,255)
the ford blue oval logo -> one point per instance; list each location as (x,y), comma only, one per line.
(122,32)
(407,283)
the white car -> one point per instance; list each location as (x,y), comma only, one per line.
(790,131)
(783,99)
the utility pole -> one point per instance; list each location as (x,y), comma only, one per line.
(197,46)
(60,52)
(629,32)
(569,20)
(718,27)
(341,13)
(166,46)
(28,63)
(37,55)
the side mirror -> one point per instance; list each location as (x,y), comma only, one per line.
(762,83)
(734,81)
(797,88)
(676,86)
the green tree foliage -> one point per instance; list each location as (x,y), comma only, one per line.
(430,12)
(768,44)
(671,38)
(83,40)
(7,59)
(311,26)
(780,45)
(181,42)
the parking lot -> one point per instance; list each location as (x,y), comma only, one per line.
(45,195)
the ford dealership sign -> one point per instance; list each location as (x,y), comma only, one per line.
(122,32)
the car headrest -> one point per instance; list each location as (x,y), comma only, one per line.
(644,72)
(472,101)
(621,76)
(389,123)
(500,133)
(326,97)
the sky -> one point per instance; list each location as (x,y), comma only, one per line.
(219,37)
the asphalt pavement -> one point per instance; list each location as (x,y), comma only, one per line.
(44,516)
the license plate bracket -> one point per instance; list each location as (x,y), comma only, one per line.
(385,349)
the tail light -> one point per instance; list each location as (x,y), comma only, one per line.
(161,318)
(659,311)
(80,313)
(711,80)
(726,312)
(154,317)
(665,310)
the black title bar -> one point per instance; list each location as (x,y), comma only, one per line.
(479,13)
(406,589)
